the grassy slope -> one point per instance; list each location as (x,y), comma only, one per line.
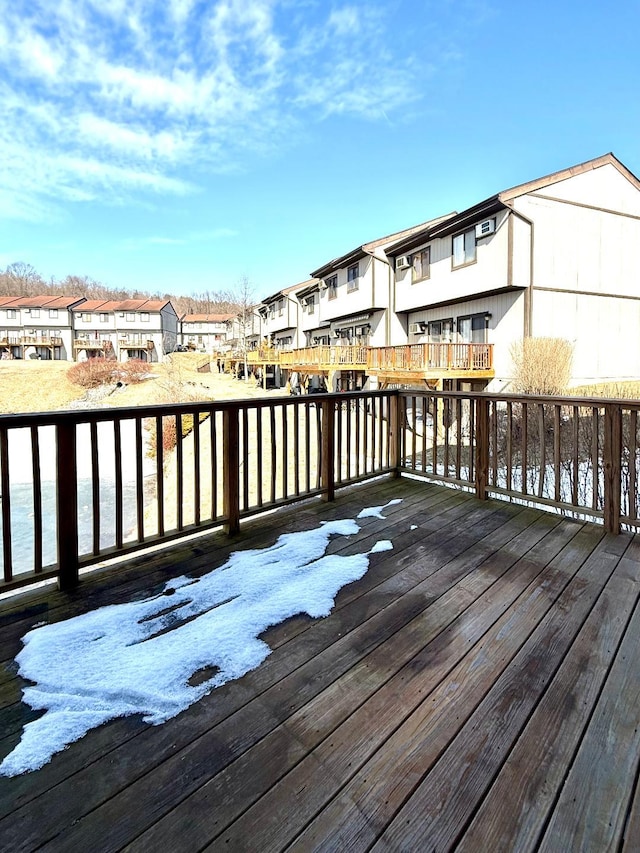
(39,386)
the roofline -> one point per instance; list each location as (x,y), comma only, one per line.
(450,226)
(368,249)
(564,174)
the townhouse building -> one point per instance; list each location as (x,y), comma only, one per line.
(553,257)
(133,328)
(206,333)
(37,326)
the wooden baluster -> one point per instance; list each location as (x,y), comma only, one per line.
(67,505)
(612,453)
(482,447)
(327,466)
(231,470)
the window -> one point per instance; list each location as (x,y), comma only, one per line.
(464,248)
(310,305)
(53,313)
(352,278)
(35,312)
(11,313)
(422,264)
(473,329)
(280,307)
(440,330)
(130,317)
(104,318)
(86,318)
(144,316)
(332,286)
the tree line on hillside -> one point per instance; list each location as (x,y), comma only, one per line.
(21,279)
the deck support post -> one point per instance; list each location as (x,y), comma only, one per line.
(231,471)
(612,453)
(327,463)
(67,505)
(395,452)
(482,447)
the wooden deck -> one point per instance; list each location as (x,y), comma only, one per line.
(477,690)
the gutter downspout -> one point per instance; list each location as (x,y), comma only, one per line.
(528,305)
(387,319)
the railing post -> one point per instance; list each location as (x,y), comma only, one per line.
(612,454)
(67,505)
(231,470)
(327,464)
(394,434)
(482,447)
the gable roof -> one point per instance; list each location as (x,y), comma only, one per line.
(40,301)
(501,200)
(369,248)
(105,305)
(206,318)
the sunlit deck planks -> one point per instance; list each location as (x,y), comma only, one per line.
(477,689)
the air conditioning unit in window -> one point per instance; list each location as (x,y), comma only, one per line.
(416,328)
(403,261)
(483,229)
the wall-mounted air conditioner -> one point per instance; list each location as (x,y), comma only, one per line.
(483,229)
(323,285)
(403,261)
(336,333)
(416,328)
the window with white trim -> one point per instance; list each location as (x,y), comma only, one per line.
(464,248)
(332,286)
(422,264)
(353,278)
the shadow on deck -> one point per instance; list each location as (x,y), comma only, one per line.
(477,689)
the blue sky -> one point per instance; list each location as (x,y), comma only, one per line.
(179,145)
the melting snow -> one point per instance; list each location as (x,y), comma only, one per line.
(382,545)
(376,511)
(138,657)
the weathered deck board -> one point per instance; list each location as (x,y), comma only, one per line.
(459,695)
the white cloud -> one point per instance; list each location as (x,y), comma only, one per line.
(143,90)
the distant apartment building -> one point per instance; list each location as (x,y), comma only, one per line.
(206,333)
(37,326)
(133,328)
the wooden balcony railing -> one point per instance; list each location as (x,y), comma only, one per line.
(430,358)
(352,357)
(80,486)
(31,340)
(91,343)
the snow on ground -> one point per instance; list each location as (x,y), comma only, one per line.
(138,657)
(376,511)
(381,545)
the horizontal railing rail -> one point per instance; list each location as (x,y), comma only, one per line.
(579,456)
(78,487)
(432,356)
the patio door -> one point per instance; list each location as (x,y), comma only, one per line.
(473,329)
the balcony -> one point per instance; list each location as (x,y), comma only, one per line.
(92,344)
(398,364)
(135,342)
(31,340)
(476,688)
(431,361)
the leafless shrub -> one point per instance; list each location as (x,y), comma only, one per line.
(541,365)
(101,371)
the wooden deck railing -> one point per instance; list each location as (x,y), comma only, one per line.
(79,486)
(407,358)
(431,357)
(323,356)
